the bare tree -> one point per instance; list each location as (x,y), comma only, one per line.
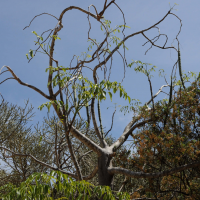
(70,93)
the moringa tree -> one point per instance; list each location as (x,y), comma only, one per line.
(69,92)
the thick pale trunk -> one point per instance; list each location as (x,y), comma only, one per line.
(104,161)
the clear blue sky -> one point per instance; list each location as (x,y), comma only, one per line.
(16,42)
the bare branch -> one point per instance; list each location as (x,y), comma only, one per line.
(77,8)
(151,90)
(6,80)
(73,157)
(153,42)
(26,84)
(128,130)
(3,71)
(160,90)
(126,38)
(97,131)
(126,172)
(38,16)
(90,144)
(111,123)
(38,161)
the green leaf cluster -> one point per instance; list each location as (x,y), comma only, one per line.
(86,91)
(90,90)
(55,37)
(49,103)
(45,47)
(41,186)
(142,67)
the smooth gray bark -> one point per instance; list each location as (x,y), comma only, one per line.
(105,178)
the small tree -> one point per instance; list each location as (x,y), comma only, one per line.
(70,92)
(17,136)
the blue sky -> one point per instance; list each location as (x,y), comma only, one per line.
(16,42)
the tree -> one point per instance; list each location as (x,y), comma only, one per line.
(52,132)
(24,140)
(70,92)
(17,136)
(170,143)
(46,144)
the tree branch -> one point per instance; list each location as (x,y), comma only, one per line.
(160,90)
(126,172)
(73,157)
(26,84)
(38,161)
(97,131)
(128,130)
(126,38)
(89,143)
(66,84)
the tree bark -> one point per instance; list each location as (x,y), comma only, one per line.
(105,161)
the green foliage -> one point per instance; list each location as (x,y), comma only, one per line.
(41,38)
(142,67)
(168,143)
(30,53)
(86,91)
(55,37)
(160,142)
(45,47)
(14,122)
(107,24)
(42,186)
(113,38)
(134,106)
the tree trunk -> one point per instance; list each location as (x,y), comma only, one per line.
(104,161)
